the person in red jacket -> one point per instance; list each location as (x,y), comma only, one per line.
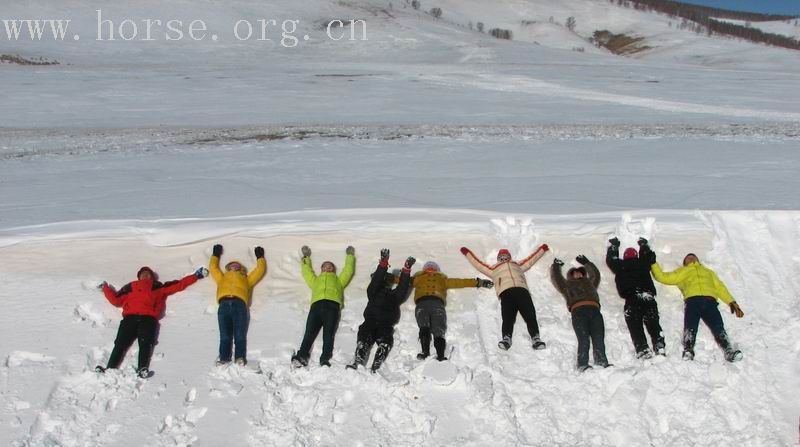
(143,303)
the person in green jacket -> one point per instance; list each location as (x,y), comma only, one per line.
(701,288)
(327,300)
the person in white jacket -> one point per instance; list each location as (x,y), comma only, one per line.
(512,291)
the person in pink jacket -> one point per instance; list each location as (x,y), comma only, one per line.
(509,281)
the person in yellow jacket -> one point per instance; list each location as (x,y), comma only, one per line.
(701,288)
(430,298)
(234,292)
(327,300)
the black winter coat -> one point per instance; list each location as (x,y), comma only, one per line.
(632,275)
(383,304)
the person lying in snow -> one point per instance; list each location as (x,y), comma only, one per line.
(234,293)
(382,312)
(701,288)
(635,286)
(512,291)
(327,301)
(580,291)
(143,303)
(430,297)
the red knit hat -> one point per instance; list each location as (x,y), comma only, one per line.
(630,253)
(503,252)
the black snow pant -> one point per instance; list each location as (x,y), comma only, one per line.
(131,328)
(642,312)
(705,308)
(373,331)
(432,321)
(324,314)
(589,326)
(518,300)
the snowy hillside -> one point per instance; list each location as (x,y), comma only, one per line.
(428,136)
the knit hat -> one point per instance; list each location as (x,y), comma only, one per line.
(576,269)
(504,253)
(630,253)
(146,269)
(431,266)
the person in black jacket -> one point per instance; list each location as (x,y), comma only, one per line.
(636,287)
(382,312)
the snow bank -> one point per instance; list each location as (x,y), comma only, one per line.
(488,396)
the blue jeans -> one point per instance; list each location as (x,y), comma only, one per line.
(705,308)
(234,320)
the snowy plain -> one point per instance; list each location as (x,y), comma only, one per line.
(428,137)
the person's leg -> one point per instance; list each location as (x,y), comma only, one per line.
(385,340)
(712,318)
(508,312)
(439,328)
(364,341)
(422,313)
(691,320)
(241,323)
(126,335)
(313,326)
(653,325)
(634,320)
(528,312)
(597,331)
(146,333)
(225,321)
(330,323)
(580,323)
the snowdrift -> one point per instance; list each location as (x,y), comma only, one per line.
(63,327)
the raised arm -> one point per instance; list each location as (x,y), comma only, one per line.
(528,262)
(213,264)
(593,273)
(172,287)
(349,267)
(612,258)
(116,298)
(261,268)
(477,263)
(402,290)
(670,278)
(556,277)
(308,271)
(377,280)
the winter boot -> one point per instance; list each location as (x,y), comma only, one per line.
(219,362)
(380,355)
(732,355)
(505,343)
(440,344)
(538,344)
(99,369)
(143,372)
(361,355)
(325,363)
(688,354)
(425,342)
(644,354)
(241,361)
(583,368)
(298,361)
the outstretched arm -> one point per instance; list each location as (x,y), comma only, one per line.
(477,263)
(348,271)
(612,258)
(179,285)
(557,278)
(722,292)
(593,273)
(671,278)
(528,262)
(459,283)
(117,299)
(308,271)
(259,272)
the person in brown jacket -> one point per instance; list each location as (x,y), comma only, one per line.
(579,289)
(512,291)
(430,297)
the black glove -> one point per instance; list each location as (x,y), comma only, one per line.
(201,273)
(614,242)
(305,251)
(485,283)
(217,250)
(259,252)
(350,250)
(582,260)
(558,262)
(642,242)
(384,253)
(409,262)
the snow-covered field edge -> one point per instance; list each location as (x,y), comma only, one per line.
(520,397)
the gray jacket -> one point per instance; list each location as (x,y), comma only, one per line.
(576,290)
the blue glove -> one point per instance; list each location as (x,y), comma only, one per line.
(201,273)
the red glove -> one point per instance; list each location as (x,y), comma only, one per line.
(464,251)
(545,247)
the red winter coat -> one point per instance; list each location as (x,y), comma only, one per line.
(146,297)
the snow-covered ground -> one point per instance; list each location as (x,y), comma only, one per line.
(427,137)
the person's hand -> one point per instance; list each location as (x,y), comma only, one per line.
(409,262)
(614,241)
(384,253)
(102,285)
(464,251)
(217,250)
(582,260)
(259,251)
(485,283)
(305,251)
(350,250)
(545,247)
(735,309)
(642,242)
(201,273)
(558,262)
